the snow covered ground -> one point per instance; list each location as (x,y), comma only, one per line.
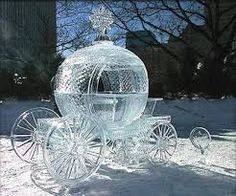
(189,172)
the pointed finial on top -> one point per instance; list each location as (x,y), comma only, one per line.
(101,19)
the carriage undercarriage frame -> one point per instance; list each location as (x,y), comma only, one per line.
(73,147)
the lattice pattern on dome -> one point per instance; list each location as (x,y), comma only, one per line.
(105,78)
(109,80)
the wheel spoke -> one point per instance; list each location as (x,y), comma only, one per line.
(88,134)
(71,167)
(32,131)
(78,169)
(16,136)
(157,138)
(58,159)
(28,149)
(171,136)
(154,148)
(29,124)
(56,149)
(157,150)
(89,161)
(168,152)
(159,130)
(162,128)
(33,151)
(84,125)
(167,131)
(61,164)
(38,149)
(165,156)
(78,132)
(67,166)
(34,119)
(69,128)
(93,153)
(25,142)
(82,163)
(63,135)
(94,145)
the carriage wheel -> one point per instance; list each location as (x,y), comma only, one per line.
(73,151)
(25,139)
(200,138)
(161,143)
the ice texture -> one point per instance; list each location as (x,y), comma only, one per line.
(103,80)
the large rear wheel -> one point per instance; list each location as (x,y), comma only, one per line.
(26,139)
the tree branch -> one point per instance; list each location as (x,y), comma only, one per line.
(187,20)
(163,30)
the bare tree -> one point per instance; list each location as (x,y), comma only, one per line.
(73,26)
(206,27)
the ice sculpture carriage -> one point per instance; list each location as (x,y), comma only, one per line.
(102,94)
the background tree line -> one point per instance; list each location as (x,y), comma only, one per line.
(194,42)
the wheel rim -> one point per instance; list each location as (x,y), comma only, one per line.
(161,143)
(73,151)
(25,138)
(200,138)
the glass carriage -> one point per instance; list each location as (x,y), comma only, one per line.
(101,92)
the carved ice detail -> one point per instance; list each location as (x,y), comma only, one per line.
(101,19)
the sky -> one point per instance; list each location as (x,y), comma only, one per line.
(75,21)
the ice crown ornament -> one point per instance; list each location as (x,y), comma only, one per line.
(101,19)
